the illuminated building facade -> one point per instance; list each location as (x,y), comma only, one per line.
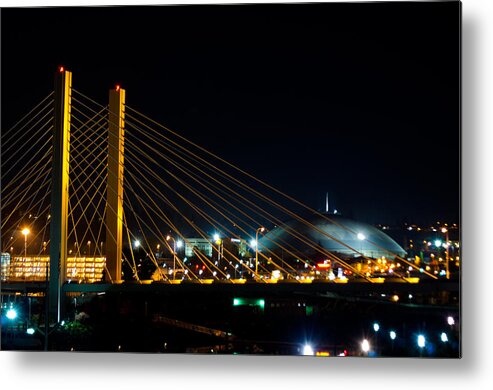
(35,268)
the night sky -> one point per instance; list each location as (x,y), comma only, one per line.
(359,100)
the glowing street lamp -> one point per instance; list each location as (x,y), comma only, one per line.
(445,230)
(308,350)
(174,254)
(11,314)
(136,243)
(261,230)
(25,231)
(365,346)
(376,327)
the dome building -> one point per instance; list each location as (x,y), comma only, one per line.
(333,233)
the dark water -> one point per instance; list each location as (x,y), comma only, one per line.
(276,324)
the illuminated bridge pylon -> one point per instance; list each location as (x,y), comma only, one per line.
(60,187)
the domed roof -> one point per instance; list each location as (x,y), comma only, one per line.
(335,234)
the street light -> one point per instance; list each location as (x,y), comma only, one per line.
(11,314)
(361,237)
(365,346)
(308,350)
(260,229)
(445,230)
(174,254)
(421,341)
(25,231)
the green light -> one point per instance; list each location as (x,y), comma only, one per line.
(249,302)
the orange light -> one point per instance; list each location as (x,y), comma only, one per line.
(323,265)
(117,87)
(61,69)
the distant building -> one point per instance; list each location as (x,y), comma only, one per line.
(200,244)
(4,266)
(333,233)
(34,268)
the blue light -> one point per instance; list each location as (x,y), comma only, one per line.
(11,314)
(444,337)
(376,327)
(30,331)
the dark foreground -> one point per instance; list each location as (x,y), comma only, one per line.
(231,322)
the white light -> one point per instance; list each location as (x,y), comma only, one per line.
(450,320)
(438,243)
(30,331)
(376,327)
(421,341)
(179,243)
(335,211)
(62,323)
(11,314)
(253,243)
(308,350)
(361,236)
(444,337)
(410,296)
(393,335)
(216,237)
(136,243)
(365,346)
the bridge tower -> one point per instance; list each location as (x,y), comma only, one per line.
(59,192)
(114,190)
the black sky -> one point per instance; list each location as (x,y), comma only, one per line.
(359,100)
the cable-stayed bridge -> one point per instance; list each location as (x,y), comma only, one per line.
(99,196)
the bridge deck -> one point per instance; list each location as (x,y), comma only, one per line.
(281,287)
